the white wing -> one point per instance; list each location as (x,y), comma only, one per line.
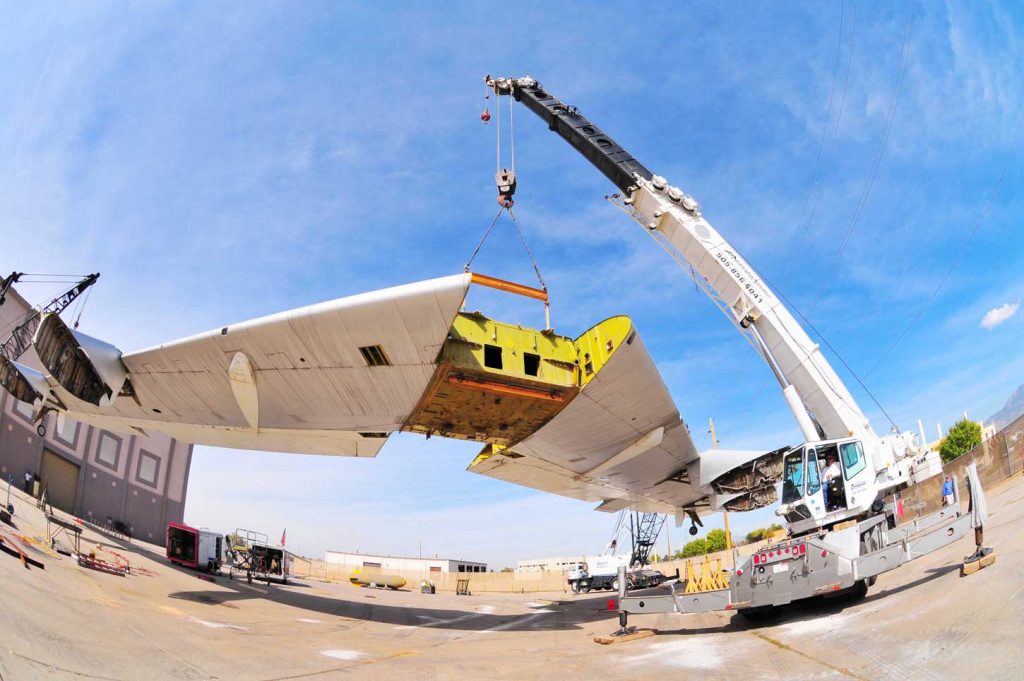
(313,389)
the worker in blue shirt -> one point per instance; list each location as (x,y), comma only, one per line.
(947,492)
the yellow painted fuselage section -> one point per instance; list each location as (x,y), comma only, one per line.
(498,383)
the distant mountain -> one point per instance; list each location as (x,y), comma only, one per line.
(1013,408)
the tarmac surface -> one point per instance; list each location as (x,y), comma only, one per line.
(922,621)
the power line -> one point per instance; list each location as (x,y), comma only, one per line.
(901,75)
(824,340)
(815,180)
(960,251)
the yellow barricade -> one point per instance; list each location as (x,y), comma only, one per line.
(708,579)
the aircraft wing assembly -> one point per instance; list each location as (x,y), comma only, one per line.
(588,418)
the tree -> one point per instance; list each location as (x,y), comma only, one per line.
(962,437)
(716,541)
(697,547)
(762,533)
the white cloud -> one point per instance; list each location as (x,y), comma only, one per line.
(998,315)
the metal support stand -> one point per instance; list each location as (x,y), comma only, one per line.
(624,628)
(624,632)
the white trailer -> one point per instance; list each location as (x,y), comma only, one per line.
(196,548)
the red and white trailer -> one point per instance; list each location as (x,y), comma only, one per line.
(195,548)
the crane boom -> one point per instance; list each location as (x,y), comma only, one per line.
(21,337)
(832,423)
(729,279)
(23,382)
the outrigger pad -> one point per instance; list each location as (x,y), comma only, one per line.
(633,635)
(982,558)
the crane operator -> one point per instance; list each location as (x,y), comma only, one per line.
(831,474)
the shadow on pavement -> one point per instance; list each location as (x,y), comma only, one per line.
(567,615)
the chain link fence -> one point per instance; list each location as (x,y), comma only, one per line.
(998,458)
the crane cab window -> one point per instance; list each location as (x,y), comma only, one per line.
(813,478)
(793,476)
(852,454)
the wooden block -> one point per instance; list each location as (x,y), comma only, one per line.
(975,565)
(631,636)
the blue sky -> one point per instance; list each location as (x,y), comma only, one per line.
(220,161)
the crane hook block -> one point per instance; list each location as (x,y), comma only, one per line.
(485,117)
(506,181)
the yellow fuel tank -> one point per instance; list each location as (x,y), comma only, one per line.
(378,580)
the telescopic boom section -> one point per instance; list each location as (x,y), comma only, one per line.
(814,392)
(601,150)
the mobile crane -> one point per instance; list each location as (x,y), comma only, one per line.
(842,534)
(832,424)
(602,572)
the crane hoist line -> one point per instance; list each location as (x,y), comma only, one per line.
(505,180)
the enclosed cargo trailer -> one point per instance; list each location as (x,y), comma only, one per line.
(196,548)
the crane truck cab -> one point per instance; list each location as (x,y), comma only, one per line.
(810,498)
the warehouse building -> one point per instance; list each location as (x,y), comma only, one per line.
(134,482)
(550,564)
(364,561)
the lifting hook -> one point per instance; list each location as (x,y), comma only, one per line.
(506,181)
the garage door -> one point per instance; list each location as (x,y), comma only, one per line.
(60,478)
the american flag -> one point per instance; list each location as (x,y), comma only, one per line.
(284,536)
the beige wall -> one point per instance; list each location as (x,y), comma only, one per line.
(507,582)
(444,581)
(998,457)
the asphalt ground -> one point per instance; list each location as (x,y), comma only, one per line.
(922,621)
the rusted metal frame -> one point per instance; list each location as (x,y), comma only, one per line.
(504,388)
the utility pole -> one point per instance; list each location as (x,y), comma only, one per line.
(668,540)
(725,514)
